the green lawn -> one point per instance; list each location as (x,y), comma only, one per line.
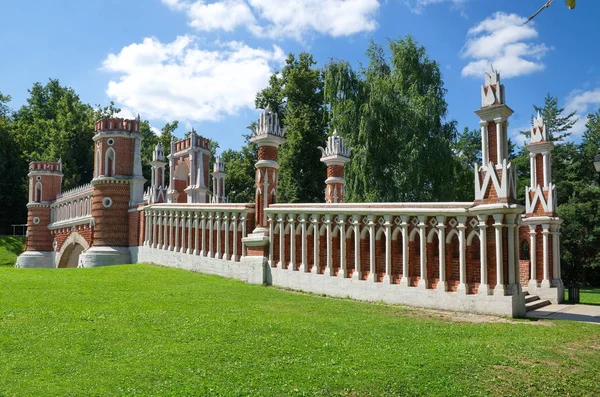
(10,248)
(590,296)
(145,330)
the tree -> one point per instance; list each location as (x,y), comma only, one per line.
(239,169)
(467,151)
(297,96)
(392,114)
(54,125)
(13,193)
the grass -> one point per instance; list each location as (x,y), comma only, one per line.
(590,296)
(10,248)
(145,330)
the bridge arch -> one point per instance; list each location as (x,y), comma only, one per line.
(72,247)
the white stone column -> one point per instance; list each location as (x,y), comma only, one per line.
(203,217)
(218,250)
(183,225)
(405,280)
(328,269)
(532,285)
(387,223)
(171,240)
(343,273)
(243,220)
(371,225)
(356,226)
(272,237)
(177,216)
(484,286)
(158,230)
(546,166)
(281,241)
(192,173)
(499,140)
(512,264)
(291,220)
(234,218)
(226,221)
(423,284)
(303,266)
(196,233)
(211,220)
(485,158)
(545,234)
(500,287)
(315,221)
(532,170)
(556,256)
(462,260)
(442,284)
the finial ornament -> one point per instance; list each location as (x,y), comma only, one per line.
(335,146)
(268,123)
(538,131)
(492,93)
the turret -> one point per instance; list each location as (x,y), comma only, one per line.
(45,180)
(118,186)
(189,170)
(335,155)
(218,175)
(495,179)
(268,136)
(157,188)
(541,218)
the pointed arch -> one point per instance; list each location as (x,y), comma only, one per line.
(379,232)
(449,236)
(97,170)
(433,232)
(38,192)
(397,232)
(110,160)
(413,232)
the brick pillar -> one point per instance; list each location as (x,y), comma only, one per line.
(335,155)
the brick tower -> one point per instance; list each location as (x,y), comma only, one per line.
(495,180)
(157,189)
(45,180)
(335,156)
(218,175)
(118,185)
(268,136)
(541,218)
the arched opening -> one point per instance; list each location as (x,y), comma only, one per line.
(452,260)
(473,262)
(71,249)
(397,254)
(109,162)
(414,256)
(97,169)
(181,181)
(38,192)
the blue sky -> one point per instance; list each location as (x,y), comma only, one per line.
(201,62)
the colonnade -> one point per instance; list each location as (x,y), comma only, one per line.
(367,230)
(214,233)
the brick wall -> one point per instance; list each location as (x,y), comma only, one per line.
(39,237)
(111,229)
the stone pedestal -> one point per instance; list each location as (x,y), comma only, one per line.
(36,259)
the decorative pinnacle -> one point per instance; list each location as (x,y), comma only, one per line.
(158,154)
(492,93)
(218,165)
(335,147)
(268,123)
(538,131)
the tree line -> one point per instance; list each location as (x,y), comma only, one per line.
(392,111)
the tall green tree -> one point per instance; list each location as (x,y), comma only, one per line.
(13,193)
(467,151)
(392,112)
(297,96)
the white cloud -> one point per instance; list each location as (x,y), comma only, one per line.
(418,6)
(181,80)
(281,18)
(504,41)
(582,103)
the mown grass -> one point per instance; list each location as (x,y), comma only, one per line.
(590,296)
(10,248)
(145,330)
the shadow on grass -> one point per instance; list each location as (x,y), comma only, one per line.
(10,248)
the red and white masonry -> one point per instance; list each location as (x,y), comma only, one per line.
(335,156)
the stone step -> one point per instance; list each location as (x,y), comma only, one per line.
(536,304)
(531,298)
